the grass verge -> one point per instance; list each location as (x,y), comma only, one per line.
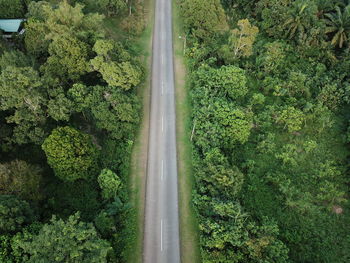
(189,239)
(139,153)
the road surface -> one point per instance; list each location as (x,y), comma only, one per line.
(161,234)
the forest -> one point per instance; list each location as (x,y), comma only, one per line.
(69,110)
(269,90)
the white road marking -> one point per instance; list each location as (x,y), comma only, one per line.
(162,123)
(161,176)
(161,235)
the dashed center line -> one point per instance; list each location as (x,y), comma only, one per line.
(162,123)
(162,173)
(161,235)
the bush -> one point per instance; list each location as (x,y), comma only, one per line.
(109,183)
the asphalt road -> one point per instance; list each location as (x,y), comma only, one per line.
(161,234)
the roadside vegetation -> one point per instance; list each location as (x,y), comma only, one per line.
(189,241)
(70,106)
(269,89)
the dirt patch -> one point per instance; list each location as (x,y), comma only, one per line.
(337,209)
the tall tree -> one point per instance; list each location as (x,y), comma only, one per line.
(203,19)
(241,41)
(70,153)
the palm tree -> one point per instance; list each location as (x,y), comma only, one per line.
(324,7)
(300,20)
(338,24)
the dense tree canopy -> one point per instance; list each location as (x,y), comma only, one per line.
(68,241)
(69,108)
(269,119)
(12,9)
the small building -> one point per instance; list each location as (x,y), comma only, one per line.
(11,26)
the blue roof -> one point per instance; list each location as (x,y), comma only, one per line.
(10,25)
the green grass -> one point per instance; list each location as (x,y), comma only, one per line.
(189,237)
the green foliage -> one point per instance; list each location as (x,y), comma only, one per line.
(240,42)
(64,27)
(14,58)
(21,179)
(227,236)
(55,75)
(67,58)
(66,241)
(235,124)
(292,20)
(112,7)
(5,249)
(70,153)
(226,81)
(338,24)
(217,176)
(78,93)
(12,9)
(123,75)
(301,17)
(16,253)
(135,23)
(109,183)
(274,59)
(35,37)
(105,224)
(21,93)
(14,214)
(66,198)
(202,19)
(270,159)
(114,110)
(291,118)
